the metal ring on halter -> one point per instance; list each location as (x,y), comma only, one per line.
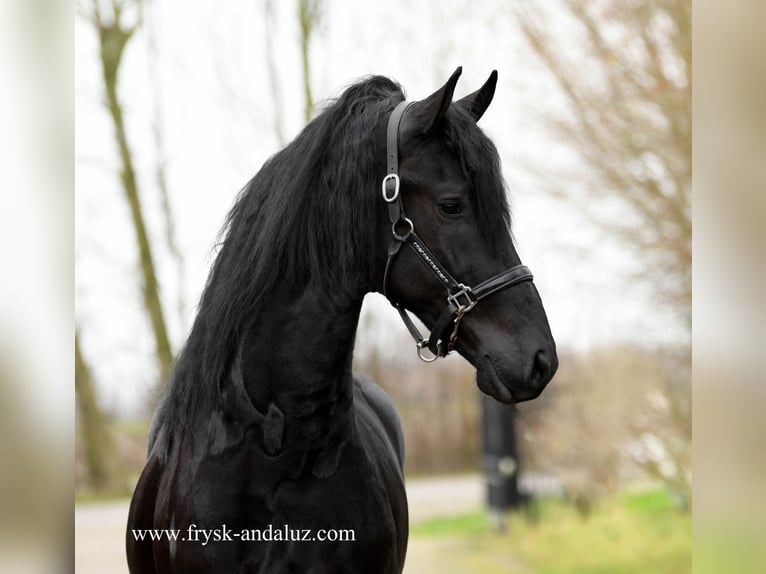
(423,344)
(407,233)
(395,178)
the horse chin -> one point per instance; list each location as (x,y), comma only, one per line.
(490,384)
(502,386)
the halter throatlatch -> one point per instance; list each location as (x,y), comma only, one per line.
(460,297)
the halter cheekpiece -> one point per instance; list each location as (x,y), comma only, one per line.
(460,297)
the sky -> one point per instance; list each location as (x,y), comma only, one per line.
(209,70)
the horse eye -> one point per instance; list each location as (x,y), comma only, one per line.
(451,208)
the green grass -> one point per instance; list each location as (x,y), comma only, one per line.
(656,500)
(463,524)
(630,533)
(730,544)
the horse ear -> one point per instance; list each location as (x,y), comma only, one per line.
(425,115)
(478,102)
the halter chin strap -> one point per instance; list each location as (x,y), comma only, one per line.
(460,298)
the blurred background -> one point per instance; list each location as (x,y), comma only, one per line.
(178,104)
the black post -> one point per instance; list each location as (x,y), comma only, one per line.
(500,458)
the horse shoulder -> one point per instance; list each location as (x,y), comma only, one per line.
(385,412)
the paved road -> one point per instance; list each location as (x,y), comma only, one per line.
(100,528)
(100,538)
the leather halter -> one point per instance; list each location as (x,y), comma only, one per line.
(460,298)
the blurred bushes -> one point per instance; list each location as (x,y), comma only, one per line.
(612,416)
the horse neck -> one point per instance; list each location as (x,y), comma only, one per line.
(296,356)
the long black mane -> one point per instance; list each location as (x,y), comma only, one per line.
(308,217)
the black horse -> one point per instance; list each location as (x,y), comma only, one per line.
(263,425)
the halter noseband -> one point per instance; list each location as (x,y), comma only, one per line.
(460,298)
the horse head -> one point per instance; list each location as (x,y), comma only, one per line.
(451,209)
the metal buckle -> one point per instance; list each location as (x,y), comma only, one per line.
(407,233)
(466,292)
(395,178)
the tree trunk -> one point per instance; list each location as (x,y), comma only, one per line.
(112,39)
(96,436)
(161,174)
(309,12)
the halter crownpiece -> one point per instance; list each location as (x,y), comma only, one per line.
(460,297)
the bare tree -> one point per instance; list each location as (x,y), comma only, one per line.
(113,35)
(95,433)
(624,71)
(271,66)
(161,170)
(309,16)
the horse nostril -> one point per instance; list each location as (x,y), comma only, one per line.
(541,367)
